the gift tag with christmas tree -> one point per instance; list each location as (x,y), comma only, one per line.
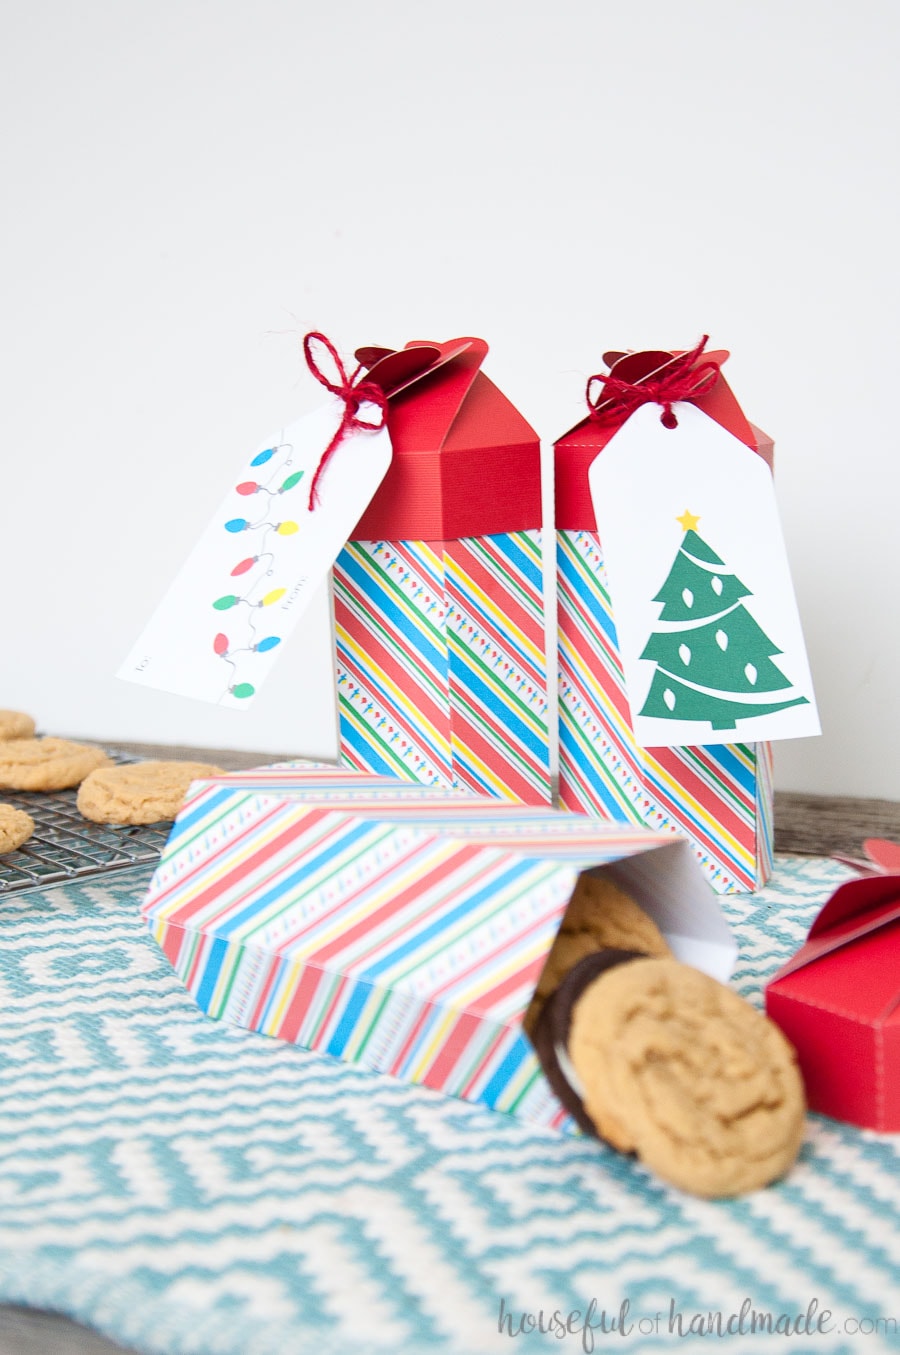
(708,630)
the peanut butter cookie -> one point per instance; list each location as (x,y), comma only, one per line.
(15,725)
(140,792)
(599,915)
(603,910)
(16,827)
(677,1068)
(47,764)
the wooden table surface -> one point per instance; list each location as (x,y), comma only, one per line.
(811,825)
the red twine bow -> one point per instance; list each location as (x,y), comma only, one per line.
(353,393)
(682,379)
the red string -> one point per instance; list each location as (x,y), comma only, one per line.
(682,379)
(352,392)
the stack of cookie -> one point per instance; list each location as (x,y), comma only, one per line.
(136,793)
(659,1059)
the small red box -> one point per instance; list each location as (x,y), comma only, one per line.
(838,1002)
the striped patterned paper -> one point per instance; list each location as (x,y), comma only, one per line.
(718,796)
(287,904)
(441,665)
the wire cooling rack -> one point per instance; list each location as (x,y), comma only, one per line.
(65,846)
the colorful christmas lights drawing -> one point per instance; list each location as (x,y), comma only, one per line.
(255,570)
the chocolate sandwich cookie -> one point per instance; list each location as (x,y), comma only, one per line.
(551,1030)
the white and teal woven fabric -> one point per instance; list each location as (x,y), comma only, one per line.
(192,1189)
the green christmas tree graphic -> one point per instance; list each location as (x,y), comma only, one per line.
(711,656)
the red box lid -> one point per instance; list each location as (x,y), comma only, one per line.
(838,1002)
(575,451)
(465,461)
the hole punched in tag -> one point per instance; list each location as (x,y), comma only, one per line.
(637,379)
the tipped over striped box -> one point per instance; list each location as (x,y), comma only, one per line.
(399,927)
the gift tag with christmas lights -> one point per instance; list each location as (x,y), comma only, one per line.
(707,623)
(253,573)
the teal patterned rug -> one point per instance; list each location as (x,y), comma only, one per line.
(193,1189)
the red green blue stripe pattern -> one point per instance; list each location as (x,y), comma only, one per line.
(288,904)
(441,663)
(719,796)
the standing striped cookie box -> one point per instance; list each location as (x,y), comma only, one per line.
(720,796)
(438,599)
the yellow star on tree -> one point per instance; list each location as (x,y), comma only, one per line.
(688,521)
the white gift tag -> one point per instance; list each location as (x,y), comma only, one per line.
(251,576)
(709,635)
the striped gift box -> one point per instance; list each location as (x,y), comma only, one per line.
(719,796)
(440,662)
(396,926)
(438,599)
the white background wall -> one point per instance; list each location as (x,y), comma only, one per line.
(188,186)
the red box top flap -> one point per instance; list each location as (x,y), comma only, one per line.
(465,461)
(393,369)
(717,400)
(576,450)
(428,386)
(884,854)
(854,910)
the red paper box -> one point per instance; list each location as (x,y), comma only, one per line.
(439,616)
(838,1002)
(718,796)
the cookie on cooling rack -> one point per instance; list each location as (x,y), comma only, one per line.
(47,764)
(140,792)
(15,724)
(16,828)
